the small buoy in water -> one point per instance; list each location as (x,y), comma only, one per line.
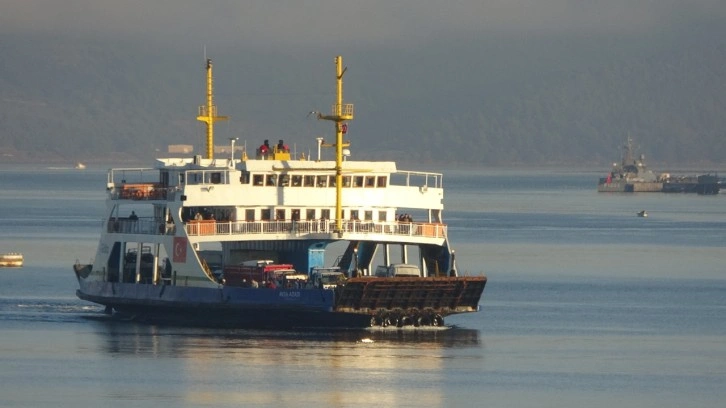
(642,214)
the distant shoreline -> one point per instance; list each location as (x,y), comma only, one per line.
(50,159)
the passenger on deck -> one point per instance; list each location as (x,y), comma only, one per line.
(282,147)
(133,216)
(198,216)
(265,148)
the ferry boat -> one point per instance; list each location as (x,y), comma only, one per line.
(274,241)
(11,259)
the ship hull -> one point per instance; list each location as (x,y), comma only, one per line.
(698,188)
(629,187)
(363,302)
(704,188)
(614,187)
(221,307)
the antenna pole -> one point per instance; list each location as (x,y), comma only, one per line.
(208,113)
(340,113)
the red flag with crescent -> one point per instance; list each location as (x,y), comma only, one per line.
(180,249)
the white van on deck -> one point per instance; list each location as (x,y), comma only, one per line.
(398,270)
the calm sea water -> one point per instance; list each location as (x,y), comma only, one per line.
(586,305)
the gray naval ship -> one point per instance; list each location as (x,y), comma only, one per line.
(631,175)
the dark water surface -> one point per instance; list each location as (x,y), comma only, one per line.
(586,305)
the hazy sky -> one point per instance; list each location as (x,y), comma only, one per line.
(332,21)
(556,49)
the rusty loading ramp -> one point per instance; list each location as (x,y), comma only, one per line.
(444,295)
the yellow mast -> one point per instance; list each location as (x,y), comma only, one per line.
(208,113)
(340,113)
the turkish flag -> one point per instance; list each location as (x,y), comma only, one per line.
(180,249)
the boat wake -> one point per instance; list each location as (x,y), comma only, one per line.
(39,311)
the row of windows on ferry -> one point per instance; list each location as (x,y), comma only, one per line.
(288,180)
(297,180)
(281,214)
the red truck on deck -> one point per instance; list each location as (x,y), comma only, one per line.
(259,271)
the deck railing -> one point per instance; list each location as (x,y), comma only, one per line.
(297,229)
(303,228)
(142,225)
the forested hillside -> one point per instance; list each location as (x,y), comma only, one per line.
(505,99)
